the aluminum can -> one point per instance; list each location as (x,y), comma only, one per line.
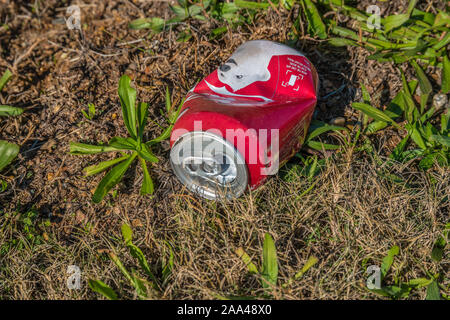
(243,121)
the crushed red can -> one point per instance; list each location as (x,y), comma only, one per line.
(244,120)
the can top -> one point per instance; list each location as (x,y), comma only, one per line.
(261,71)
(209,165)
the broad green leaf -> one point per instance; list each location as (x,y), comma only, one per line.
(181,13)
(315,23)
(411,6)
(433,291)
(250,4)
(102,288)
(342,42)
(8,111)
(374,113)
(112,178)
(269,272)
(194,10)
(123,143)
(446,75)
(424,83)
(388,260)
(218,31)
(77,148)
(8,151)
(319,127)
(442,43)
(376,126)
(147,154)
(344,32)
(147,183)
(420,282)
(442,19)
(102,166)
(443,140)
(416,136)
(426,17)
(156,24)
(399,148)
(319,146)
(428,161)
(127,234)
(438,249)
(311,261)
(127,96)
(5,78)
(395,21)
(393,110)
(397,292)
(247,260)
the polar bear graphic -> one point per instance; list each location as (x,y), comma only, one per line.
(249,63)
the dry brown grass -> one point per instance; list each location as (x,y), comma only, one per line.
(349,220)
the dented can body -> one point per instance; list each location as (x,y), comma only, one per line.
(244,120)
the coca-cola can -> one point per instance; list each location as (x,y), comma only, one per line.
(244,120)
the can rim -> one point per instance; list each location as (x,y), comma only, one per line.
(227,193)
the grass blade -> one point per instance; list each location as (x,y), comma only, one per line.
(446,75)
(139,255)
(147,154)
(251,267)
(433,291)
(438,249)
(394,21)
(411,6)
(111,179)
(250,5)
(424,83)
(102,288)
(8,151)
(142,118)
(165,135)
(311,262)
(8,111)
(77,148)
(319,127)
(123,143)
(127,234)
(315,23)
(388,260)
(121,267)
(443,140)
(127,96)
(5,78)
(147,183)
(374,113)
(102,166)
(269,271)
(320,146)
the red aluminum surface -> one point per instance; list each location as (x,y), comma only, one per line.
(283,100)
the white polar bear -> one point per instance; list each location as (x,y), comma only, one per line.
(250,62)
